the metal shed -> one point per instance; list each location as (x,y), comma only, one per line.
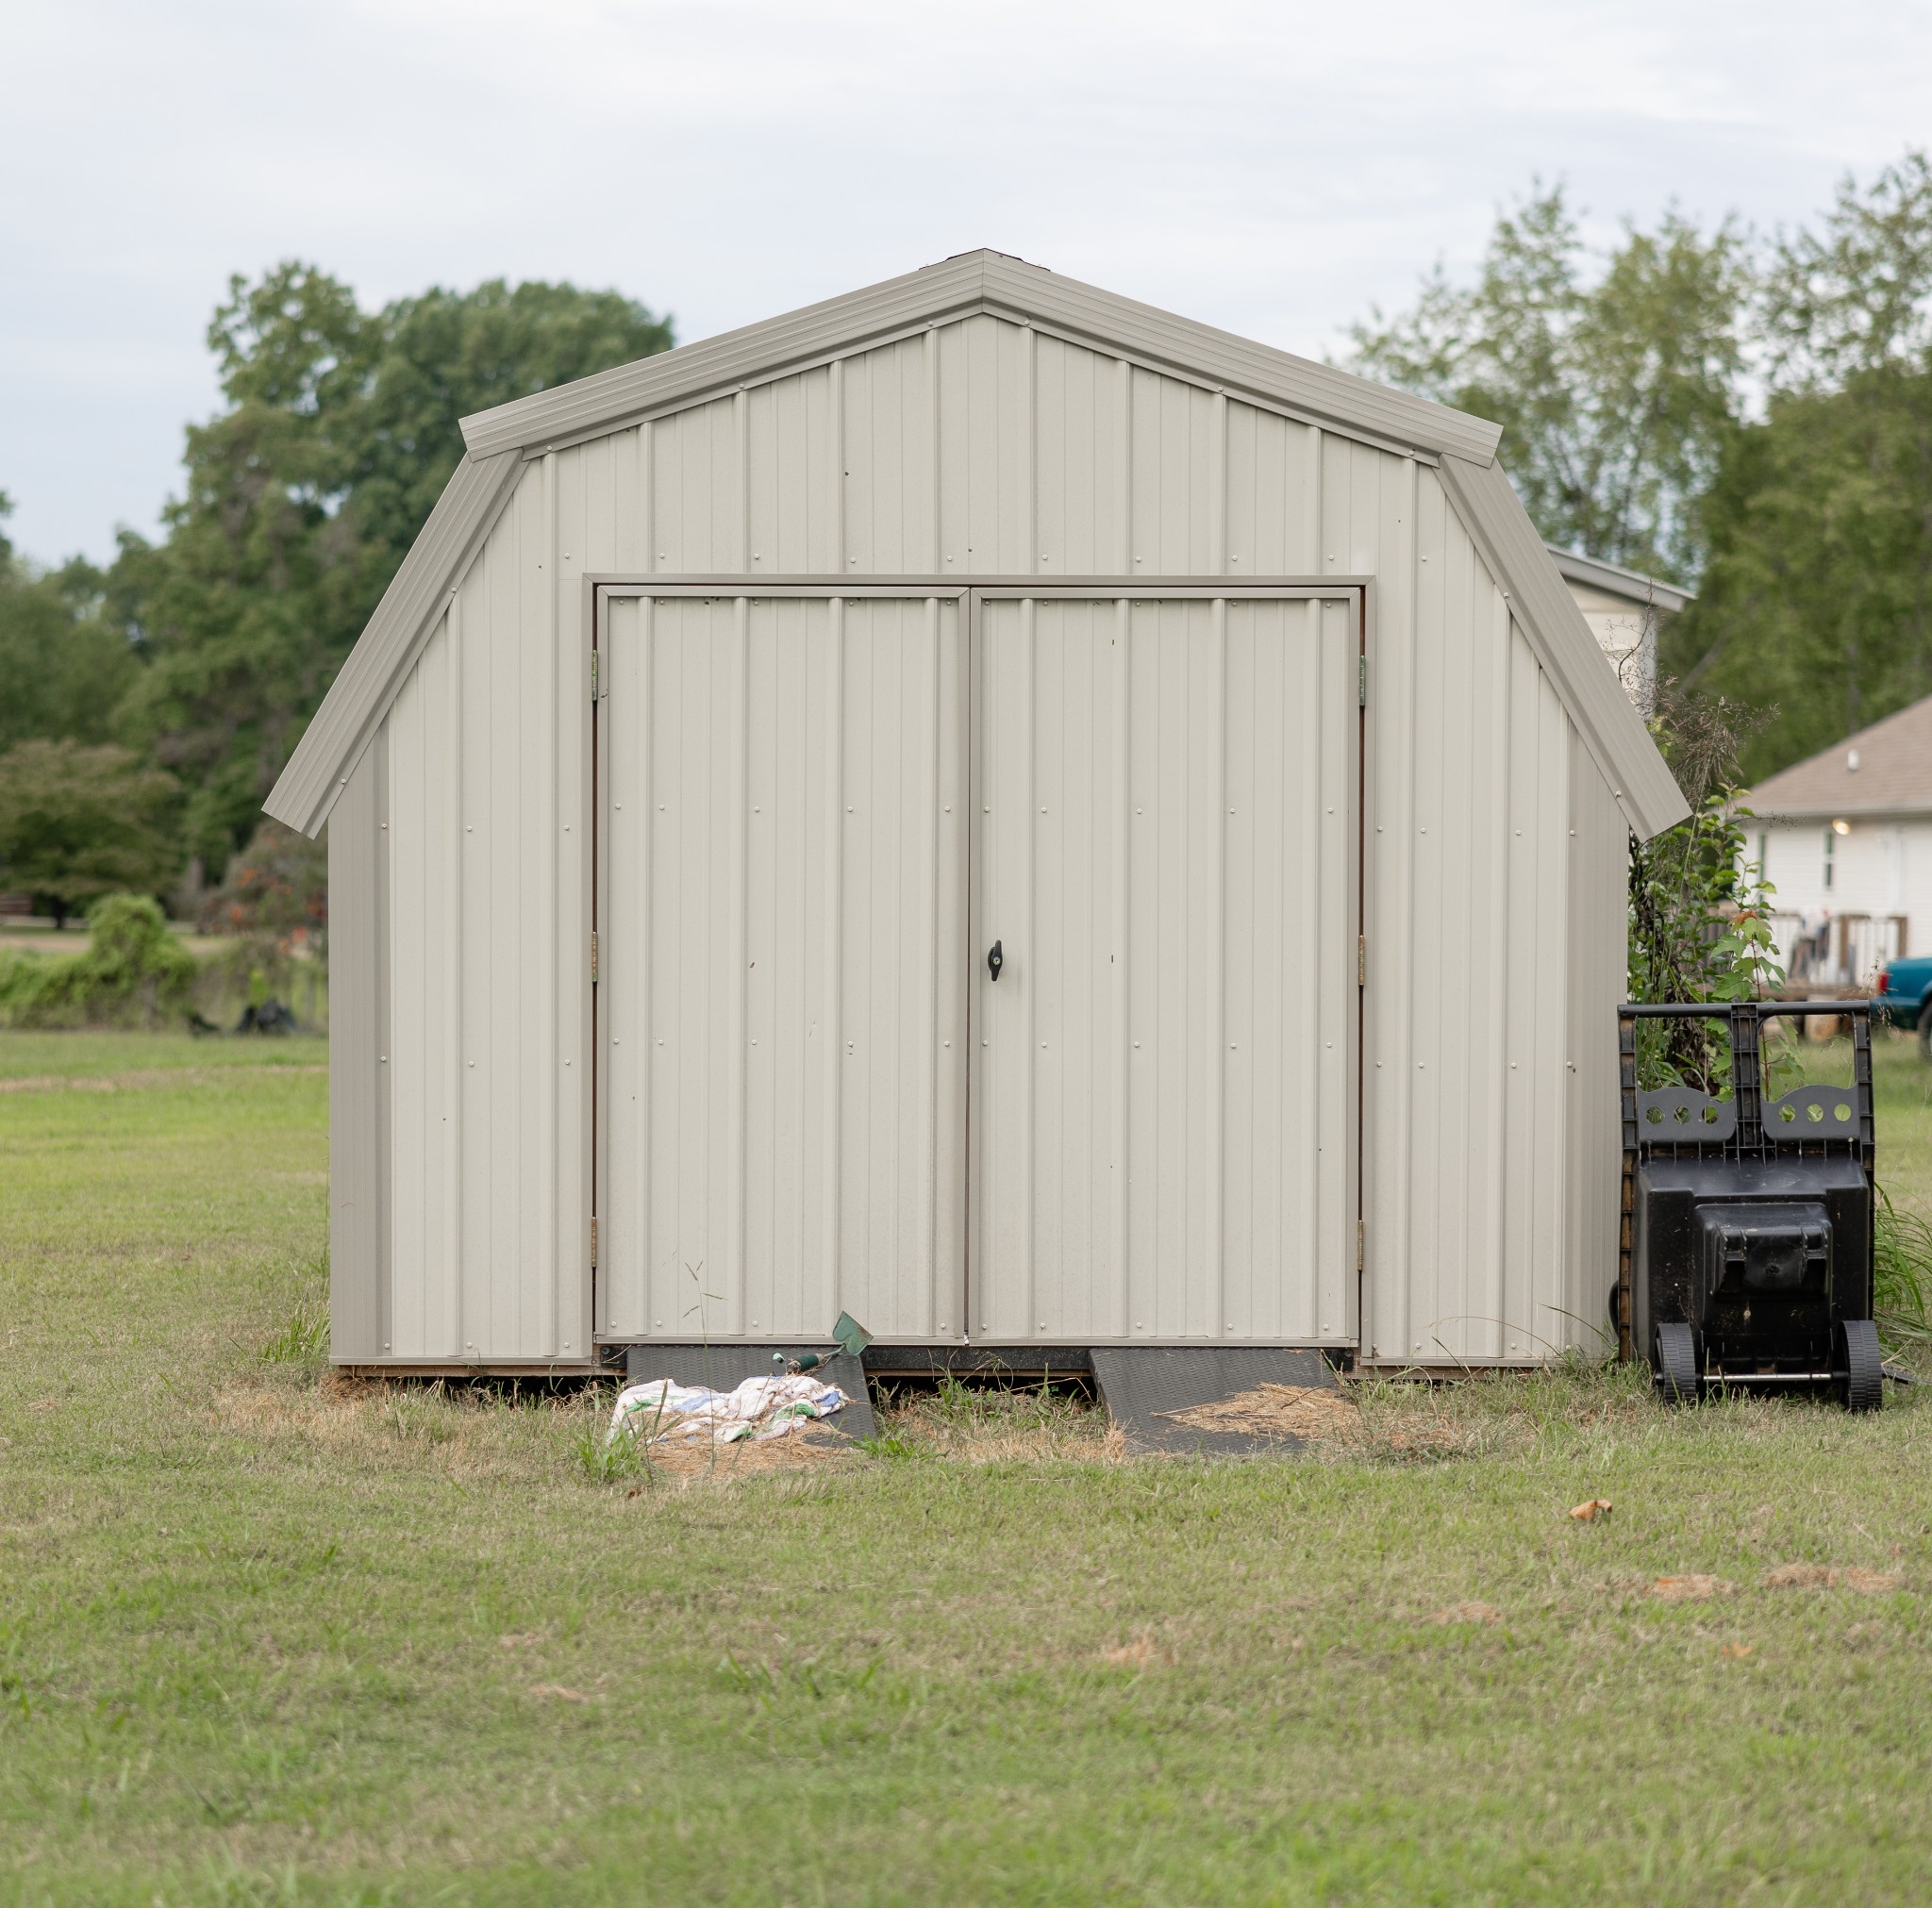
(733,704)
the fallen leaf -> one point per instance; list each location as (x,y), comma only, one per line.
(1588,1513)
(1467,1613)
(558,1690)
(1737,1651)
(1689,1589)
(43,1404)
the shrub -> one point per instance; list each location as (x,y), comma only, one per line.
(134,972)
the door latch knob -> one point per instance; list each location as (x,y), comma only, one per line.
(995,960)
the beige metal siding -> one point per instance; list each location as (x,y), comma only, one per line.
(1470,919)
(1164,1129)
(1598,880)
(971,448)
(486,954)
(782,967)
(358,1116)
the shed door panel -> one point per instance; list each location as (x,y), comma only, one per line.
(1163,1126)
(782,987)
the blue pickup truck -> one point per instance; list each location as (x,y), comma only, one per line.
(1904,993)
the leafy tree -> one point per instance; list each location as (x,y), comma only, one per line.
(1818,596)
(63,666)
(76,822)
(1818,593)
(1616,388)
(304,494)
(1856,295)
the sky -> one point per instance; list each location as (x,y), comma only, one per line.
(1274,169)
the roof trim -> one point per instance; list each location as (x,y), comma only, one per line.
(960,287)
(1792,813)
(1540,601)
(369,681)
(1614,580)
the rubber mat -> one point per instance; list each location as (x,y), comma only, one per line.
(1138,1383)
(723,1368)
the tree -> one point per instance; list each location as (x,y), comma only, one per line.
(304,496)
(62,664)
(1616,390)
(1818,595)
(76,822)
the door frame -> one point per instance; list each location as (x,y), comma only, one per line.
(971,593)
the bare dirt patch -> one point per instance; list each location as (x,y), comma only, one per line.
(1692,1588)
(1832,1577)
(1467,1613)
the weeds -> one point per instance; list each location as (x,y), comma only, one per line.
(619,1458)
(1902,1280)
(302,1339)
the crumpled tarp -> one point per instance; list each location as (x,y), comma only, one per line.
(758,1408)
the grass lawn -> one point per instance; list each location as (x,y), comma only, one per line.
(267,1638)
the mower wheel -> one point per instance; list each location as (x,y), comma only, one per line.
(1861,1381)
(1675,1359)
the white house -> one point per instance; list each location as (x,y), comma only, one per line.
(1846,840)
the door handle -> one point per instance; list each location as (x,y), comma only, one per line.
(995,960)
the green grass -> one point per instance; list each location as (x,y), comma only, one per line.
(268,1638)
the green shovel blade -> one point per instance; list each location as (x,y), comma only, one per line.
(850,1336)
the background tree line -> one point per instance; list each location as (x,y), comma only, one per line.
(1750,417)
(146,707)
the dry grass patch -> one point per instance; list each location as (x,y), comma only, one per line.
(1832,1577)
(1296,1411)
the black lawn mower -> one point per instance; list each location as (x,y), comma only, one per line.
(1747,1229)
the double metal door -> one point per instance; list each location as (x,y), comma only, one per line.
(979,962)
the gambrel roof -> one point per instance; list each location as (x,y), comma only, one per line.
(499,440)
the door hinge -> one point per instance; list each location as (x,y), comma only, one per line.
(1361,1233)
(593,1238)
(595,659)
(593,957)
(1361,681)
(1361,960)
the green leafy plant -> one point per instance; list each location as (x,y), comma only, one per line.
(1901,1278)
(135,973)
(615,1458)
(1699,926)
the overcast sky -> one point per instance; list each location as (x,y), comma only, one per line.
(1275,169)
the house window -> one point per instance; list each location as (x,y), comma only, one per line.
(1830,847)
(1763,858)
